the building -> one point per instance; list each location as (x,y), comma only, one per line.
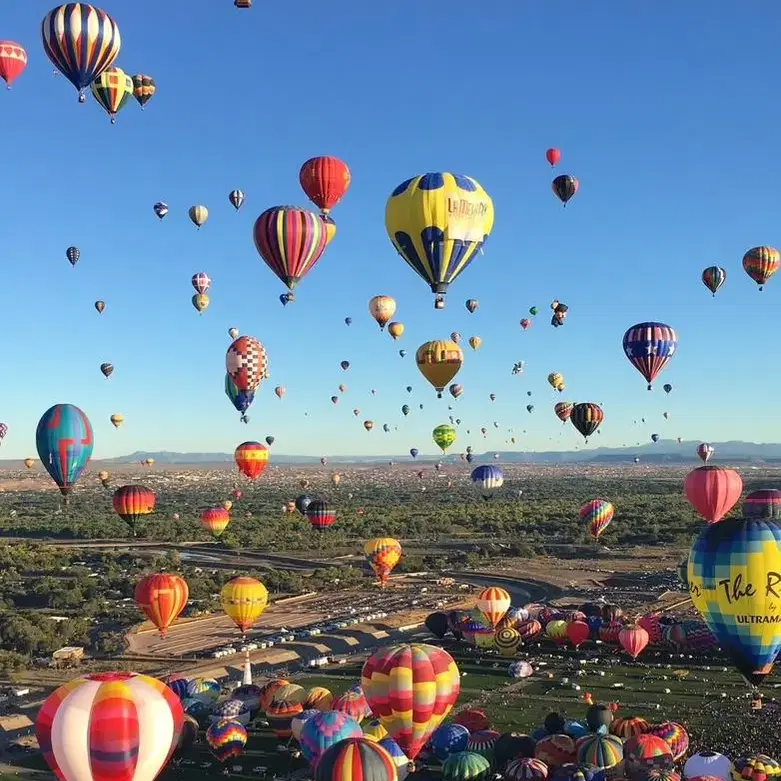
(13,727)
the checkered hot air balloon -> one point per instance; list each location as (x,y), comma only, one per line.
(246,363)
(109,725)
(734,584)
(411,689)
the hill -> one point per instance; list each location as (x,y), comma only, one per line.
(662,452)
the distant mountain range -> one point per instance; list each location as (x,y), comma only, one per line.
(662,452)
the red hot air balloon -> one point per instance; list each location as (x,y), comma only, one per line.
(633,639)
(578,632)
(325,180)
(251,459)
(713,491)
(13,60)
(553,156)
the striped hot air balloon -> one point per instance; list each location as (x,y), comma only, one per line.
(493,603)
(356,759)
(251,459)
(214,520)
(117,725)
(132,502)
(162,597)
(596,515)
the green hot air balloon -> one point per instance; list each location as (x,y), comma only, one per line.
(444,436)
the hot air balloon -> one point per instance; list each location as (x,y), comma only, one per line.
(760,263)
(713,491)
(383,554)
(214,520)
(586,417)
(198,215)
(456,390)
(201,302)
(64,442)
(556,381)
(106,369)
(320,515)
(413,451)
(162,597)
(713,278)
(117,420)
(438,222)
(649,347)
(705,451)
(472,305)
(475,342)
(633,639)
(765,503)
(29,462)
(100,306)
(487,479)
(733,576)
(247,365)
(236,198)
(109,725)
(563,410)
(280,391)
(493,602)
(201,282)
(564,187)
(131,502)
(597,515)
(290,241)
(144,88)
(439,363)
(324,730)
(411,689)
(368,424)
(81,41)
(226,739)
(525,323)
(382,308)
(251,459)
(160,209)
(325,180)
(667,388)
(396,330)
(240,401)
(73,254)
(112,90)
(444,436)
(13,60)
(553,156)
(244,600)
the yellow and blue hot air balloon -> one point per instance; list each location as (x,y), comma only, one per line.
(438,222)
(735,582)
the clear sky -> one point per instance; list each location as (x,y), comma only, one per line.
(668,114)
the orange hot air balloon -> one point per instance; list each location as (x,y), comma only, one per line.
(244,600)
(713,491)
(325,180)
(493,603)
(214,520)
(251,459)
(162,598)
(383,554)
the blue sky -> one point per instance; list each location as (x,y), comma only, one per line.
(665,113)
